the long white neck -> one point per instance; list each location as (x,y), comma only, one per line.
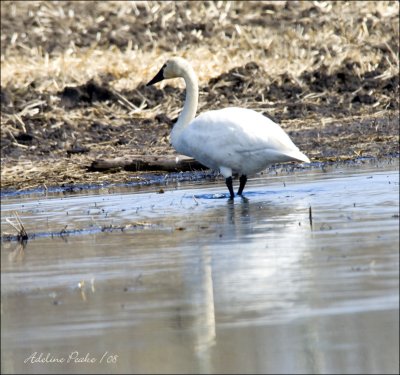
(189,108)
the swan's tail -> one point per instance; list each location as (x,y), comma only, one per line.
(303,158)
(297,155)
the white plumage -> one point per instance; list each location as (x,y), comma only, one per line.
(231,140)
(246,143)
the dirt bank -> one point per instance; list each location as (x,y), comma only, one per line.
(72,88)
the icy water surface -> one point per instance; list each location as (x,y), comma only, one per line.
(124,281)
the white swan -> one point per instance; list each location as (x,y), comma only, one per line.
(231,140)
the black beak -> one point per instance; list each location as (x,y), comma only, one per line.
(159,77)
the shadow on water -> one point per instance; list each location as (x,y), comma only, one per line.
(186,281)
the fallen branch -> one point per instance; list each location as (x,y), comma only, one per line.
(148,163)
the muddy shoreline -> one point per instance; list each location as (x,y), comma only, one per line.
(126,179)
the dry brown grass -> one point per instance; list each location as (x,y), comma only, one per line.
(324,33)
(47,46)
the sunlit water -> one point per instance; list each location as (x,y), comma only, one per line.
(187,282)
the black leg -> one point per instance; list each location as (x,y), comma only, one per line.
(243,180)
(228,182)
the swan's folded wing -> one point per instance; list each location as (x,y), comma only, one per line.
(223,133)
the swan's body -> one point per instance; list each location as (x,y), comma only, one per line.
(245,149)
(231,140)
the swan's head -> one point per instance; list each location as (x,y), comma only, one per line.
(173,68)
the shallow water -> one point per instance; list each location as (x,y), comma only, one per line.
(188,282)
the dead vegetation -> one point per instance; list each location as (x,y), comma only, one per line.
(72,87)
(16,223)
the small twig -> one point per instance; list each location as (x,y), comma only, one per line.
(12,224)
(19,119)
(19,145)
(125,102)
(63,231)
(31,106)
(310,215)
(19,227)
